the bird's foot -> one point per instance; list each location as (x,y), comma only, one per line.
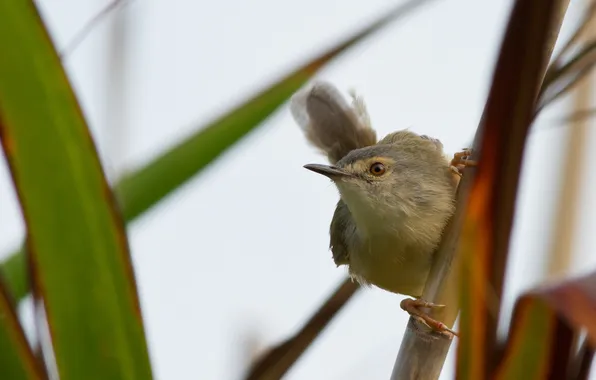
(414,308)
(460,160)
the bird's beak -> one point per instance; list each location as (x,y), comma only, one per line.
(332,172)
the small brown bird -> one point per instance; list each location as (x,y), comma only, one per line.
(397,194)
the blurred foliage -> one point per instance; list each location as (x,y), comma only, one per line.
(17,360)
(77,247)
(77,251)
(546,326)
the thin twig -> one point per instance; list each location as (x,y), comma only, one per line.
(581,65)
(558,60)
(575,64)
(278,361)
(88,27)
(567,88)
(561,247)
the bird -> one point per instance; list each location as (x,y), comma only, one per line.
(396,194)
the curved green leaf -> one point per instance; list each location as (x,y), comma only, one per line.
(76,239)
(14,271)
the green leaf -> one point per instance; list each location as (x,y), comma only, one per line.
(14,271)
(77,245)
(144,188)
(17,360)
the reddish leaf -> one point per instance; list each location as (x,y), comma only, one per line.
(500,142)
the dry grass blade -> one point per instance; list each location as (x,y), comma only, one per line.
(279,359)
(558,60)
(88,27)
(561,247)
(531,34)
(568,76)
(575,64)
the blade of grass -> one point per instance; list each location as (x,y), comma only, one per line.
(88,27)
(77,245)
(525,52)
(279,359)
(568,76)
(17,360)
(558,60)
(580,60)
(141,190)
(541,340)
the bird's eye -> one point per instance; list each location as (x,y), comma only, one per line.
(377,169)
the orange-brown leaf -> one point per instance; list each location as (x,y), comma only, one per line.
(500,142)
(544,330)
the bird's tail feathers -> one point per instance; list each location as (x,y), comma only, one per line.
(330,123)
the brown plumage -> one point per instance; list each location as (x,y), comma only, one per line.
(329,123)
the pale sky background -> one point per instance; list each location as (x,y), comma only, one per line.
(241,250)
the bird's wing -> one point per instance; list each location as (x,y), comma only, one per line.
(341,231)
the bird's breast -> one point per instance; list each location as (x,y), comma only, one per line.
(386,261)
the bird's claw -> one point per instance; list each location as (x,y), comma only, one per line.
(414,306)
(460,160)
